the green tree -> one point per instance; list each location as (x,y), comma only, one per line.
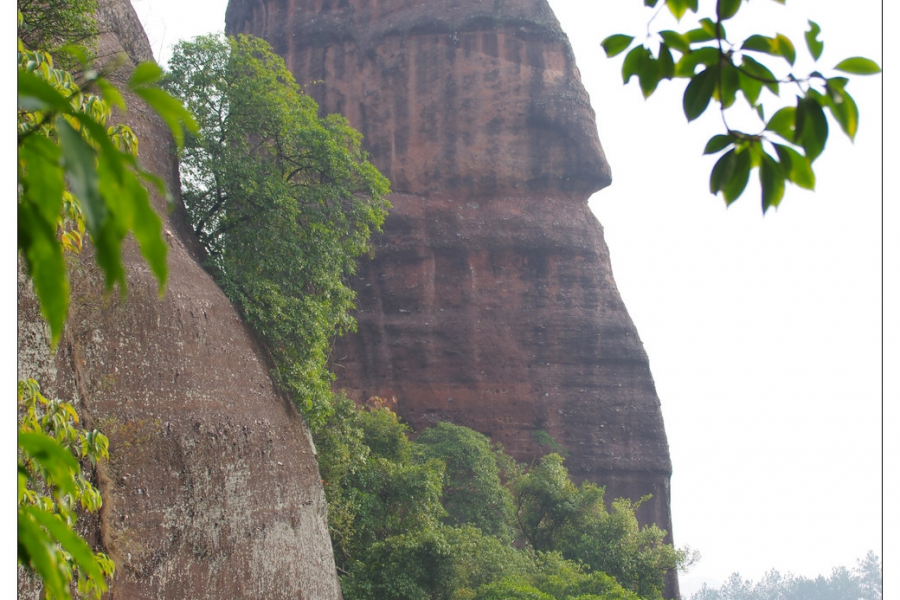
(555,515)
(58,26)
(473,491)
(283,202)
(374,490)
(787,143)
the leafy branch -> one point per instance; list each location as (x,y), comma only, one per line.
(789,141)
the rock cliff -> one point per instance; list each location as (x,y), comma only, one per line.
(490,301)
(212,489)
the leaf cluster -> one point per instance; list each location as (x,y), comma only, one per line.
(52,486)
(282,200)
(77,176)
(716,69)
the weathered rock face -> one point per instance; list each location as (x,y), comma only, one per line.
(212,489)
(490,301)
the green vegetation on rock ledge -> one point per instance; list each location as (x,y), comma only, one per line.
(283,202)
(449,516)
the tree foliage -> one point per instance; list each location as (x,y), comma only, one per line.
(449,517)
(861,583)
(51,488)
(555,515)
(283,202)
(716,68)
(57,26)
(473,492)
(77,179)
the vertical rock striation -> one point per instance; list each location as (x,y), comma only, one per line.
(490,301)
(212,489)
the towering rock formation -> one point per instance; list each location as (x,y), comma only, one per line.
(212,489)
(491,301)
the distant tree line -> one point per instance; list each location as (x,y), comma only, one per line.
(863,582)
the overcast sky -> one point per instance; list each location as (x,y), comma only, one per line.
(764,333)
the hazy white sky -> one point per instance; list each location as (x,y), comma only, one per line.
(764,333)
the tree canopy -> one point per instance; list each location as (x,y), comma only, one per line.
(282,200)
(449,517)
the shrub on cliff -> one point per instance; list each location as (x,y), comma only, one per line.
(283,202)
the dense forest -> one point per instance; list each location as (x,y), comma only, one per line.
(444,516)
(283,202)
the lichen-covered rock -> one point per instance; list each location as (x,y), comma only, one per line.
(212,490)
(490,301)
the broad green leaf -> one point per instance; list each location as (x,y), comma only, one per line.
(728,8)
(37,549)
(761,43)
(633,61)
(98,134)
(171,110)
(784,123)
(734,186)
(147,227)
(53,458)
(110,94)
(858,66)
(842,106)
(677,7)
(717,143)
(616,44)
(811,127)
(713,30)
(696,36)
(698,93)
(650,3)
(785,48)
(771,180)
(722,172)
(45,264)
(702,56)
(665,63)
(36,94)
(796,167)
(71,542)
(815,46)
(676,41)
(649,74)
(760,72)
(750,87)
(41,175)
(726,89)
(81,171)
(146,73)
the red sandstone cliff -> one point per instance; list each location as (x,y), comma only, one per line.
(212,489)
(491,301)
